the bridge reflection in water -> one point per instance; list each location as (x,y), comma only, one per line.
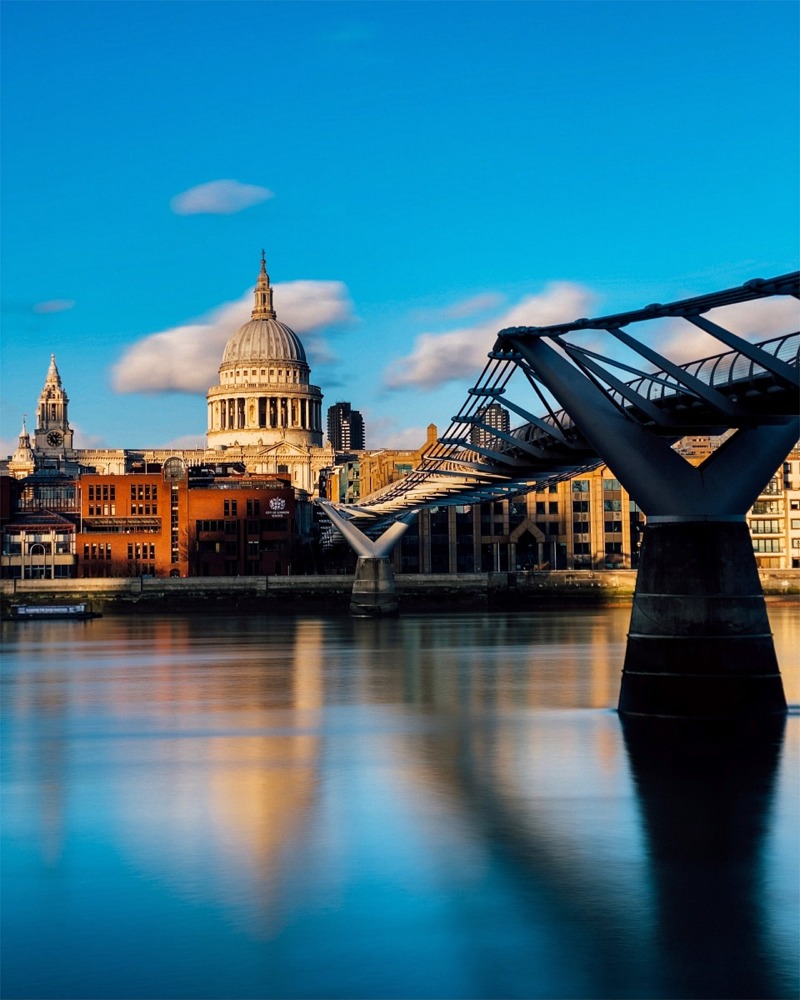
(430,806)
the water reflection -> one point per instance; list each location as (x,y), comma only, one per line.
(427,807)
(706,795)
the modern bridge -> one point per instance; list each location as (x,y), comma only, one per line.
(697,591)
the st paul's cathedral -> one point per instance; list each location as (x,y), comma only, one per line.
(264,415)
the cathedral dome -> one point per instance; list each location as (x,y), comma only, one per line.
(263,340)
(264,398)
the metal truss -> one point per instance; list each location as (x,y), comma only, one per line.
(748,386)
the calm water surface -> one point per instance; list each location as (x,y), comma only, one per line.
(435,806)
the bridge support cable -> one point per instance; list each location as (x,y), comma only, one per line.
(699,644)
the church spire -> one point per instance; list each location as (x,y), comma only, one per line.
(22,463)
(53,376)
(263,293)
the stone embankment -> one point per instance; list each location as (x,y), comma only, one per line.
(468,591)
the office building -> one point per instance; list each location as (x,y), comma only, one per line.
(345,428)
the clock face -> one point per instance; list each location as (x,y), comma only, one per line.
(54,439)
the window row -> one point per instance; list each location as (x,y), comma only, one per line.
(97,550)
(102,492)
(144,491)
(772,527)
(216,525)
(143,550)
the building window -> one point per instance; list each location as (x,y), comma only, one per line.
(580,485)
(611,484)
(772,488)
(773,527)
(768,507)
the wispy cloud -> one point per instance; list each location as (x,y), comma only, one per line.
(758,319)
(224,197)
(186,358)
(458,354)
(186,441)
(54,306)
(475,305)
(384,433)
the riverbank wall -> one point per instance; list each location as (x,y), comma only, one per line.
(468,591)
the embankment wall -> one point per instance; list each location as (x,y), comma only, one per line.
(286,593)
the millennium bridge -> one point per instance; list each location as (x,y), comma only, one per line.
(699,644)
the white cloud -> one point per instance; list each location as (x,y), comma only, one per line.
(223,197)
(384,432)
(457,354)
(758,319)
(187,358)
(54,306)
(475,304)
(85,440)
(186,441)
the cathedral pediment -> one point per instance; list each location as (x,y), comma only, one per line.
(284,449)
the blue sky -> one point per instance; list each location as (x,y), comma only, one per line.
(419,173)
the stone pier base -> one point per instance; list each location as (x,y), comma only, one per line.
(374,591)
(700,645)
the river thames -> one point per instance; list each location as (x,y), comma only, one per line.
(435,806)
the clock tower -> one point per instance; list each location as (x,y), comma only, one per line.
(53,435)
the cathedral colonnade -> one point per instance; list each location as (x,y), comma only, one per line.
(265,412)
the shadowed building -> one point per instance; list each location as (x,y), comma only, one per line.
(345,428)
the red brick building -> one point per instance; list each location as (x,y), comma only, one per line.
(179,523)
(169,521)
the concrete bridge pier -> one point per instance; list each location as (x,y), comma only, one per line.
(700,643)
(374,593)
